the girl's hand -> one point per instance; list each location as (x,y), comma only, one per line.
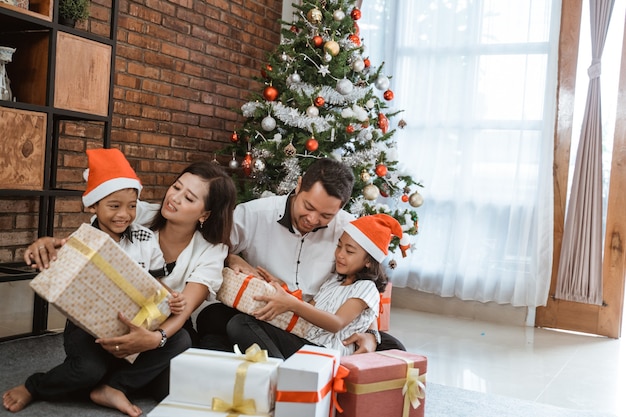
(41,252)
(277,303)
(177,303)
(137,340)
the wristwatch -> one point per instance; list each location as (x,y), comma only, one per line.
(163,337)
(375,333)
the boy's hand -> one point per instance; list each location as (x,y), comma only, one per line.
(177,303)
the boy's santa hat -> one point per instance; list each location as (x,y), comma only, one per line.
(108,172)
(374,233)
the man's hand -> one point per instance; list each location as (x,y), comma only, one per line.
(365,342)
(237,264)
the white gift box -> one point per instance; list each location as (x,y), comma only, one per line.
(305,382)
(206,377)
(238,291)
(169,408)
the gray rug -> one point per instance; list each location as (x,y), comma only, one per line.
(20,358)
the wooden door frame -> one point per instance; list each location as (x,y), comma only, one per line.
(602,320)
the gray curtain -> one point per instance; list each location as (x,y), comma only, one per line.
(579,275)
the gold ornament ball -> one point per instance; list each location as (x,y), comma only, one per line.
(365,176)
(416,199)
(314,16)
(332,48)
(371,192)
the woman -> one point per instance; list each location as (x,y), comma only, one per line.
(193,228)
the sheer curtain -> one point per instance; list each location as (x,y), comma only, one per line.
(477,83)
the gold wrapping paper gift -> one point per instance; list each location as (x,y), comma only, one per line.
(238,291)
(93,279)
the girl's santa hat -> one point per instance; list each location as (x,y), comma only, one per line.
(374,233)
(108,172)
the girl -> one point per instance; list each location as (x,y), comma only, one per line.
(345,304)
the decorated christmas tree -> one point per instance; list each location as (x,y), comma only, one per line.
(323,98)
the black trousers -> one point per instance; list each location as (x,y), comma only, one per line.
(88,365)
(213,333)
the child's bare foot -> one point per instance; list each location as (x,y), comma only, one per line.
(113,398)
(16,398)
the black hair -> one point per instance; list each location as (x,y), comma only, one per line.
(375,273)
(336,178)
(220,201)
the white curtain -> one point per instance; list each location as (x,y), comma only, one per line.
(477,83)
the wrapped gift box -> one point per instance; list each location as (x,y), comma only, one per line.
(169,408)
(384,314)
(238,291)
(93,279)
(205,377)
(376,381)
(305,382)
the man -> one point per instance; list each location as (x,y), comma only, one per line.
(294,238)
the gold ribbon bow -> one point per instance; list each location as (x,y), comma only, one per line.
(149,311)
(414,387)
(254,354)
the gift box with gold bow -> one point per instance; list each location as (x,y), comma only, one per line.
(385,383)
(238,291)
(308,383)
(169,408)
(93,279)
(234,383)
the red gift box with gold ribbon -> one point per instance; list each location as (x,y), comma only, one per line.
(386,383)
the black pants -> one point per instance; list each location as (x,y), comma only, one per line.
(212,330)
(88,365)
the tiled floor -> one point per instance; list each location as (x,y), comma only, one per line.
(562,369)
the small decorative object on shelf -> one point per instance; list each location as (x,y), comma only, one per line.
(6,55)
(73,11)
(23,4)
(11,2)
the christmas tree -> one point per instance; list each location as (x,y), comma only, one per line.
(321,100)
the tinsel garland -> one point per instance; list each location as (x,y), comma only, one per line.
(331,96)
(292,173)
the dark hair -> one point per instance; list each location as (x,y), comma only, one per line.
(375,273)
(336,178)
(220,201)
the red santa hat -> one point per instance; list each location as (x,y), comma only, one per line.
(108,172)
(374,233)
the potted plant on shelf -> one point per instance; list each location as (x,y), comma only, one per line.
(73,11)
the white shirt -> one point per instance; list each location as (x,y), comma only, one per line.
(333,295)
(303,262)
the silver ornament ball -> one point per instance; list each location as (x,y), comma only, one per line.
(371,192)
(344,86)
(416,199)
(382,83)
(268,123)
(259,165)
(339,15)
(295,77)
(312,111)
(233,164)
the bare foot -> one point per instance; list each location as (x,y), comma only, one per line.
(113,398)
(16,398)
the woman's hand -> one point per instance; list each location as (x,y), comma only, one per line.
(277,303)
(41,252)
(177,303)
(137,340)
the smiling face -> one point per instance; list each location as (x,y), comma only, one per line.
(184,201)
(350,257)
(313,208)
(116,212)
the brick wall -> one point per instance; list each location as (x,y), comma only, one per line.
(181,67)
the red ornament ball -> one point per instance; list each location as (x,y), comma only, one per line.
(354,39)
(311,144)
(319,101)
(264,71)
(246,164)
(350,129)
(270,93)
(388,95)
(234,137)
(381,170)
(293,28)
(405,198)
(318,41)
(367,62)
(355,14)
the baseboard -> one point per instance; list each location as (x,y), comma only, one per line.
(455,307)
